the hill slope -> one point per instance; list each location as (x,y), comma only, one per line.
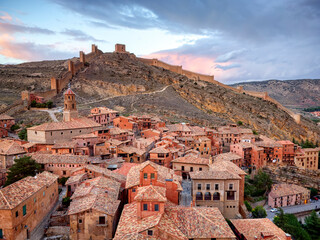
(122,82)
(290,93)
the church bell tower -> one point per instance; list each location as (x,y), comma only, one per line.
(70,106)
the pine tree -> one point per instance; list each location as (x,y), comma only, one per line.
(312,225)
(22,168)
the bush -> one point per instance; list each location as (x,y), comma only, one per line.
(62,181)
(33,103)
(49,104)
(248,206)
(259,212)
(255,132)
(23,134)
(66,201)
(239,123)
(15,127)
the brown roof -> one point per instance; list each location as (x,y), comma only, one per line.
(258,229)
(191,159)
(125,168)
(78,123)
(5,117)
(16,193)
(69,91)
(130,150)
(10,147)
(151,193)
(63,159)
(227,156)
(283,189)
(180,127)
(68,144)
(178,221)
(76,178)
(159,150)
(214,173)
(100,194)
(133,177)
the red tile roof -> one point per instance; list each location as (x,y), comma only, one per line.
(69,92)
(16,193)
(10,147)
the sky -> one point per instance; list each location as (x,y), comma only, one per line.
(234,40)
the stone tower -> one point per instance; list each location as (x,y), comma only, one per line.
(70,106)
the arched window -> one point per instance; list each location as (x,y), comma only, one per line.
(207,196)
(199,196)
(216,196)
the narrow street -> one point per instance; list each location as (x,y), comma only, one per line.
(38,232)
(295,209)
(186,193)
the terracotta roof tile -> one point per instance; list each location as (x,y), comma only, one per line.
(5,117)
(283,189)
(10,147)
(253,229)
(14,194)
(151,193)
(191,159)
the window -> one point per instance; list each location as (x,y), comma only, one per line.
(200,168)
(231,186)
(182,168)
(216,187)
(230,195)
(207,196)
(1,233)
(133,190)
(208,186)
(64,172)
(145,175)
(199,186)
(216,196)
(152,176)
(191,169)
(80,220)
(17,213)
(24,210)
(145,207)
(199,196)
(102,220)
(156,207)
(44,193)
(150,232)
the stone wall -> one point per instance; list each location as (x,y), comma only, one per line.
(294,175)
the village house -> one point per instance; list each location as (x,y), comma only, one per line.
(74,181)
(121,135)
(152,216)
(61,165)
(282,195)
(68,147)
(103,115)
(151,133)
(145,144)
(163,156)
(203,145)
(307,158)
(232,157)
(149,173)
(181,129)
(131,154)
(190,163)
(288,150)
(94,210)
(257,229)
(272,149)
(25,203)
(9,151)
(252,155)
(125,123)
(86,143)
(6,122)
(221,186)
(232,134)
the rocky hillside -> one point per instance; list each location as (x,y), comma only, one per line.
(301,93)
(122,82)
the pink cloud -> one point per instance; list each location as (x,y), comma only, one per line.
(204,65)
(5,16)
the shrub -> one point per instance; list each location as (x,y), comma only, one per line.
(259,212)
(248,206)
(239,123)
(66,201)
(33,103)
(15,127)
(62,181)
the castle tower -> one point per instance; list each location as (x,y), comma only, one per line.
(70,108)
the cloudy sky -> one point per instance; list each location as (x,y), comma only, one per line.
(235,40)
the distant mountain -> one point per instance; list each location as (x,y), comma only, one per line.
(300,93)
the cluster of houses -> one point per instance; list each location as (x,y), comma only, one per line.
(138,178)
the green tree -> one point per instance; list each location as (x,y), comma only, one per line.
(15,127)
(49,104)
(22,168)
(313,192)
(239,123)
(290,224)
(312,225)
(23,134)
(33,103)
(262,183)
(259,212)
